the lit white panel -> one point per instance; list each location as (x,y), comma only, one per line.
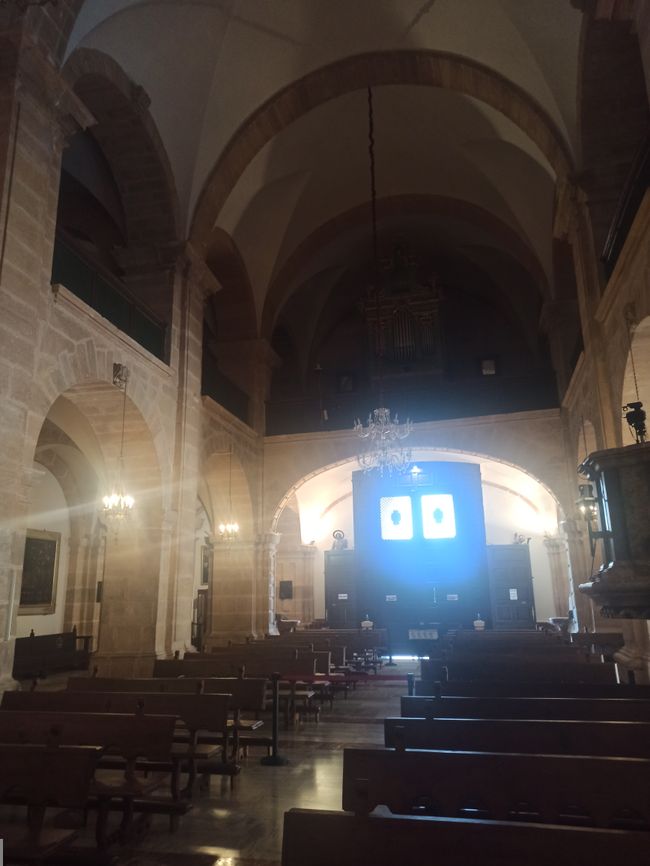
(396,518)
(438,518)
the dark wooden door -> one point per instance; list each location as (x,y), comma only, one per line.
(511,586)
(340,589)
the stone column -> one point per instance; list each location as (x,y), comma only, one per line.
(573,223)
(195,282)
(556,548)
(580,563)
(233,592)
(264,618)
(36,111)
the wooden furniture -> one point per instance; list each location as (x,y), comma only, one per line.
(486,689)
(39,777)
(129,743)
(319,838)
(586,709)
(548,737)
(548,789)
(40,655)
(518,670)
(197,712)
(246,696)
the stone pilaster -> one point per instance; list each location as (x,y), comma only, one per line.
(37,111)
(556,548)
(234,585)
(580,561)
(194,284)
(265,585)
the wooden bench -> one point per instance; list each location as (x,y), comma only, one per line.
(319,838)
(40,655)
(486,689)
(40,777)
(137,741)
(246,696)
(520,670)
(197,712)
(548,789)
(585,709)
(548,737)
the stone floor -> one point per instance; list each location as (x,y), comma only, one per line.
(243,827)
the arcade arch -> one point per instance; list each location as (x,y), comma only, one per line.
(518,508)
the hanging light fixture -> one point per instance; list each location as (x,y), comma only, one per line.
(229,530)
(383,432)
(118,504)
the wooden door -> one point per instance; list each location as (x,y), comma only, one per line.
(511,586)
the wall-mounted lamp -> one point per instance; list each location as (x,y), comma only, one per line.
(587,506)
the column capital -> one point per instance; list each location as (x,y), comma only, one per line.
(196,271)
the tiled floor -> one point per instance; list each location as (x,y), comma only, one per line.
(243,827)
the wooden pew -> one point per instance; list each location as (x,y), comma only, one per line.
(41,777)
(137,740)
(485,689)
(40,655)
(519,670)
(582,709)
(548,737)
(319,838)
(293,672)
(197,712)
(246,696)
(547,789)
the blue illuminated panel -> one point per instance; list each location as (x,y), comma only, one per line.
(438,518)
(396,518)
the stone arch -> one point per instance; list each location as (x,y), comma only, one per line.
(81,434)
(234,305)
(515,501)
(85,368)
(128,136)
(387,207)
(426,68)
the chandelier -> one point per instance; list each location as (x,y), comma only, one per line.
(229,530)
(383,433)
(118,504)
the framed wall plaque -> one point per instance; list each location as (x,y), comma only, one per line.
(206,564)
(40,572)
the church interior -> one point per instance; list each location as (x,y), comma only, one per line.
(324,350)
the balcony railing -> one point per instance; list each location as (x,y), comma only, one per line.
(109,297)
(217,386)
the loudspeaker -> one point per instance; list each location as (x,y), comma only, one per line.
(286,589)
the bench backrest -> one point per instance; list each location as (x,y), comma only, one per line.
(597,709)
(245,694)
(486,689)
(519,670)
(548,789)
(552,737)
(315,838)
(227,667)
(47,775)
(130,735)
(196,711)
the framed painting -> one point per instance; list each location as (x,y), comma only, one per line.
(40,572)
